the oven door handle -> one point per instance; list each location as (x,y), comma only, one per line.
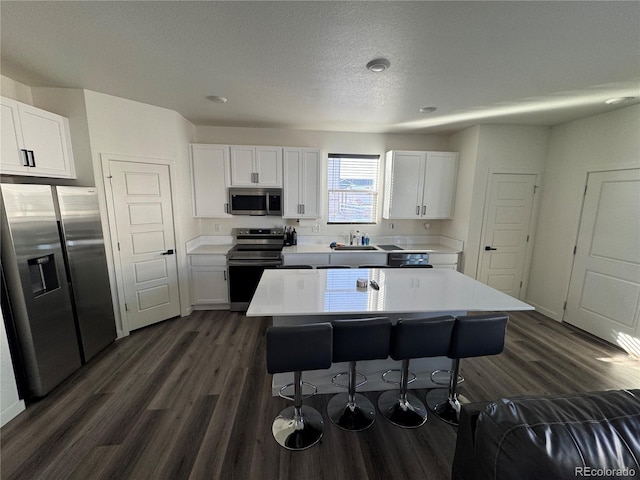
(254,263)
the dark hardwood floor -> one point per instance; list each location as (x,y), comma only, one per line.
(190,399)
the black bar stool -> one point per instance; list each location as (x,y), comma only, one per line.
(413,338)
(355,340)
(332,266)
(473,336)
(295,267)
(294,349)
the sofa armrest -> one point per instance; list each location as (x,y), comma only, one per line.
(463,460)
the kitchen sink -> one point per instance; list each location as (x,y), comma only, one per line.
(356,247)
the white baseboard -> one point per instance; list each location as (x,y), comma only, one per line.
(545,311)
(11,412)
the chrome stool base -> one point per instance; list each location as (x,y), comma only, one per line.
(298,432)
(443,407)
(356,416)
(407,412)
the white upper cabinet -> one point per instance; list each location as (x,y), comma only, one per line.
(419,185)
(34,142)
(302,173)
(209,180)
(256,166)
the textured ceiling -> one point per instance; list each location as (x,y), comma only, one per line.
(302,64)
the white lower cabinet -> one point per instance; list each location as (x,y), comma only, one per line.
(313,259)
(209,280)
(444,260)
(355,259)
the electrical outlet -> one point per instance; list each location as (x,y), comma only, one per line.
(315,228)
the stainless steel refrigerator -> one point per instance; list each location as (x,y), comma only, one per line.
(56,277)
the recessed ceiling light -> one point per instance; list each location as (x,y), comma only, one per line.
(217,99)
(618,100)
(428,109)
(378,65)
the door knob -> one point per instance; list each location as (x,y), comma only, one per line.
(168,252)
(489,248)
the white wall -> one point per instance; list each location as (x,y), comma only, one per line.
(10,404)
(602,142)
(466,143)
(329,142)
(15,90)
(488,149)
(140,131)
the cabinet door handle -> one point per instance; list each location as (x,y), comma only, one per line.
(488,248)
(424,210)
(418,210)
(25,157)
(33,158)
(303,208)
(225,275)
(168,252)
(226,208)
(257,177)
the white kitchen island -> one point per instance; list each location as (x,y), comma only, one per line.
(294,297)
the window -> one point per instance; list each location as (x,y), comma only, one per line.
(353,188)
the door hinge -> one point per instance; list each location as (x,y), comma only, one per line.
(564,307)
(126,307)
(575,249)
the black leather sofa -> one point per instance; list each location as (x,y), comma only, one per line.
(581,435)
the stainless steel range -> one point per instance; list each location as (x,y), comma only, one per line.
(255,250)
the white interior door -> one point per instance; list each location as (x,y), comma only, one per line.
(506,231)
(604,293)
(143,215)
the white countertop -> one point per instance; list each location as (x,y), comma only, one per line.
(210,249)
(413,248)
(334,291)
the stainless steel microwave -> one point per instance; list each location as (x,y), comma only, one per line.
(255,201)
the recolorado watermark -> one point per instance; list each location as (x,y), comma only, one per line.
(604,472)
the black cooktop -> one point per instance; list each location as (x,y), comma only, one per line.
(389,248)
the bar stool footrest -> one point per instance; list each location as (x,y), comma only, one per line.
(412,377)
(334,379)
(289,385)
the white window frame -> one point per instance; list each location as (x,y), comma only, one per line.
(343,202)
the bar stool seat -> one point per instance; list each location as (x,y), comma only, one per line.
(473,336)
(413,338)
(294,349)
(295,267)
(332,266)
(355,340)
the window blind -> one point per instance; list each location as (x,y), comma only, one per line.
(352,182)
